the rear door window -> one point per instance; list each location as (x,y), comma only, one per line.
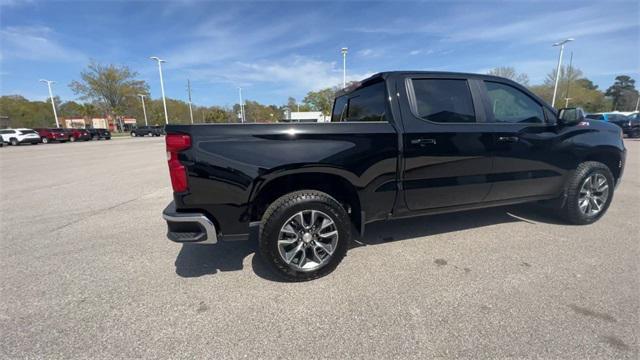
(443,100)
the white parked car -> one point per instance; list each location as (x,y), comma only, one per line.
(20,136)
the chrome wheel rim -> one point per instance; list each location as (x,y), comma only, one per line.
(594,194)
(307,240)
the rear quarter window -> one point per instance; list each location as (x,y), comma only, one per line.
(365,104)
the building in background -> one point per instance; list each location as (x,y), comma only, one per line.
(306,116)
(99,123)
(77,123)
(128,123)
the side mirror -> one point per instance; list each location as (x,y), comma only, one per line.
(571,116)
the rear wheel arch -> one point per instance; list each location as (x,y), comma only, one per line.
(334,185)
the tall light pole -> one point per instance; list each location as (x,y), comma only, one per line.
(189,91)
(555,88)
(344,66)
(570,71)
(144,110)
(164,101)
(53,103)
(242,119)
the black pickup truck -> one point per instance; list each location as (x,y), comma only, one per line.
(399,144)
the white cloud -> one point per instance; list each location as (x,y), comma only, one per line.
(510,25)
(35,43)
(223,37)
(297,74)
(426,52)
(14,2)
(370,53)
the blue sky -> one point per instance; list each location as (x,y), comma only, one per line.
(280,49)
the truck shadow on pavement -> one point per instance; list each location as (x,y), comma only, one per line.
(195,260)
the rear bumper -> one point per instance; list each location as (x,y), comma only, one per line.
(189,227)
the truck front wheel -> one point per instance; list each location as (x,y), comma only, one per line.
(589,193)
(304,235)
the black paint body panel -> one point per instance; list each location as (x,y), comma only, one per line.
(466,166)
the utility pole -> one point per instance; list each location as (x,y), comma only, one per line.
(189,91)
(164,101)
(53,103)
(242,119)
(344,66)
(566,95)
(555,88)
(144,110)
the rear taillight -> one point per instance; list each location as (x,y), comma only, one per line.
(176,143)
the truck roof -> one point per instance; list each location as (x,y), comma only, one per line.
(386,74)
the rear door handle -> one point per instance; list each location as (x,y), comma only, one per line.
(508,139)
(423,142)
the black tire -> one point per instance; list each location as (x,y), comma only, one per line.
(133,134)
(150,134)
(14,142)
(635,134)
(45,140)
(72,139)
(283,209)
(571,210)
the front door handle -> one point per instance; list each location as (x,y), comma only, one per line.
(423,142)
(508,139)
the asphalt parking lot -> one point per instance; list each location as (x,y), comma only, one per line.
(87,272)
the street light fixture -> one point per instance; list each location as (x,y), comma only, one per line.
(53,104)
(555,88)
(344,51)
(144,110)
(164,101)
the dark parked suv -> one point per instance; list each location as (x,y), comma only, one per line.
(148,130)
(630,125)
(400,144)
(97,134)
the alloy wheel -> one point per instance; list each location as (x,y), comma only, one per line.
(594,194)
(307,240)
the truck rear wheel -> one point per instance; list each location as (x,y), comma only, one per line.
(589,193)
(304,235)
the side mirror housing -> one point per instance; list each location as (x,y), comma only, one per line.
(571,116)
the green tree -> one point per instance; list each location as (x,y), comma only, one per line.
(111,86)
(511,74)
(24,113)
(623,93)
(321,100)
(581,91)
(70,109)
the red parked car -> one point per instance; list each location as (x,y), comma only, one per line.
(51,135)
(78,134)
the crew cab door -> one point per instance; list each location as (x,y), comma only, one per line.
(445,144)
(529,159)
